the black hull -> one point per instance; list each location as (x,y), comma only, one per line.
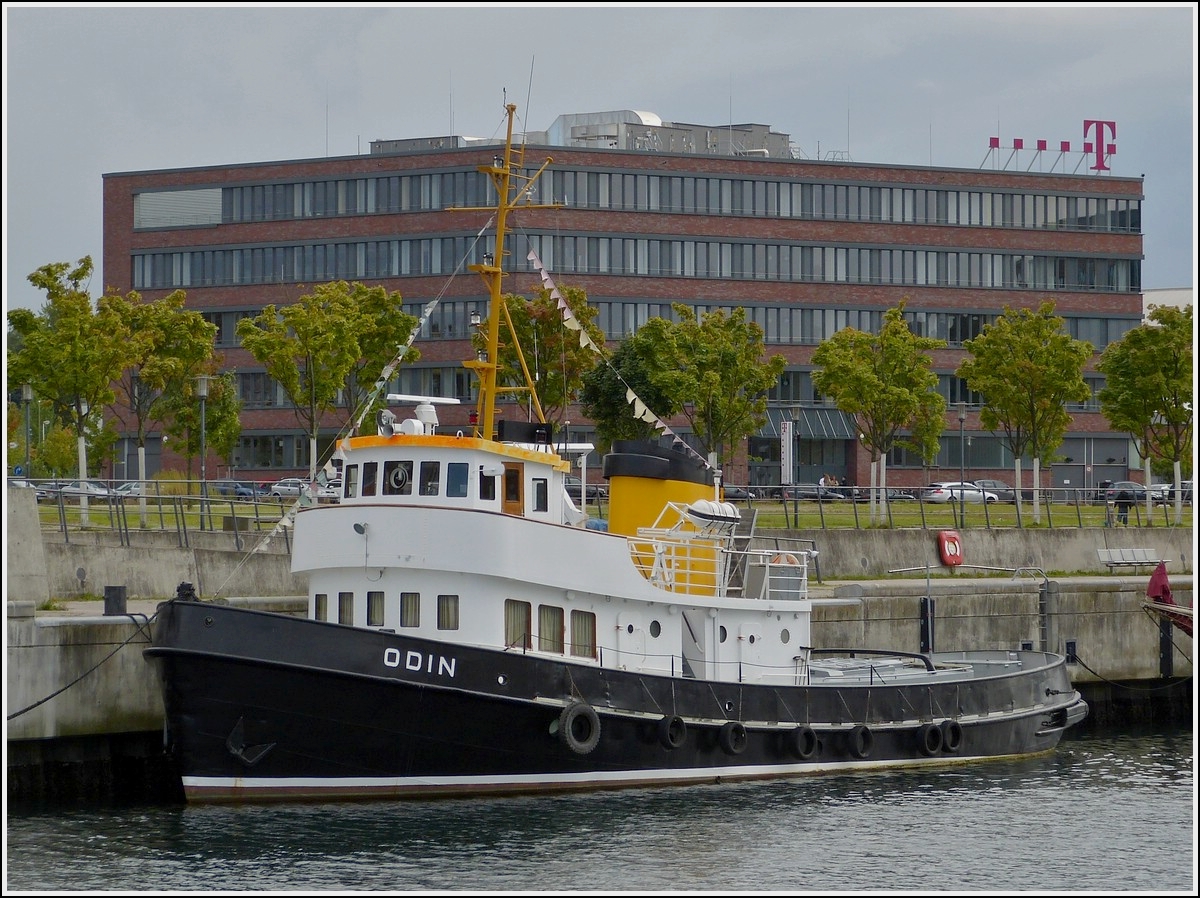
(265,707)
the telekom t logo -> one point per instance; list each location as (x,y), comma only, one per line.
(1098,144)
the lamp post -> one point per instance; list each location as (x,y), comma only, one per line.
(202,393)
(27,399)
(962,462)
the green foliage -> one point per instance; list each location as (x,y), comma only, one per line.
(70,352)
(58,454)
(886,382)
(1027,368)
(1148,389)
(554,358)
(603,397)
(309,348)
(383,330)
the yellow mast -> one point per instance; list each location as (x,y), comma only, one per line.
(492,272)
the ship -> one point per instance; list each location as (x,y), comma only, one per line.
(473,629)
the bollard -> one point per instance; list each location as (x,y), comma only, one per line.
(114,600)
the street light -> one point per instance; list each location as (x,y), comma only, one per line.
(27,398)
(962,463)
(202,392)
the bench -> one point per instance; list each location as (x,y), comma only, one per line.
(1129,558)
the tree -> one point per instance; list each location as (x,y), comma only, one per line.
(631,367)
(552,358)
(222,414)
(1148,391)
(384,329)
(887,384)
(1027,368)
(70,352)
(168,346)
(309,348)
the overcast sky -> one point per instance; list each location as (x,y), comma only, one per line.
(93,90)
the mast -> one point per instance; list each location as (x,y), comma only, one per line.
(486,366)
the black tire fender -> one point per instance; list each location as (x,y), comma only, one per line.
(929,739)
(859,740)
(952,735)
(672,731)
(579,727)
(733,738)
(802,742)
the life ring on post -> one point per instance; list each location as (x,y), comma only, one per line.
(952,735)
(672,731)
(579,727)
(802,742)
(733,738)
(859,740)
(785,558)
(929,739)
(950,548)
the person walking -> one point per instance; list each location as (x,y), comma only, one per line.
(1124,500)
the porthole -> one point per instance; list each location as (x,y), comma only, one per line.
(752,639)
(723,634)
(655,629)
(785,636)
(502,679)
(629,629)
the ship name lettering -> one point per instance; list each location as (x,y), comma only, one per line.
(440,664)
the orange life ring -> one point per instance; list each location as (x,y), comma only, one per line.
(785,558)
(950,548)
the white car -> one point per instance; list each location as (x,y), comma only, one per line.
(955,491)
(95,492)
(330,492)
(290,486)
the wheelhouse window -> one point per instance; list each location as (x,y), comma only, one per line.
(487,486)
(431,472)
(550,628)
(456,479)
(374,608)
(321,606)
(541,494)
(447,612)
(345,607)
(397,478)
(410,609)
(369,470)
(583,634)
(518,624)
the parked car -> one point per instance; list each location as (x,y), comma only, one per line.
(594,490)
(733,492)
(132,489)
(331,491)
(95,492)
(237,488)
(812,492)
(1135,489)
(289,486)
(956,491)
(40,491)
(1004,492)
(1185,492)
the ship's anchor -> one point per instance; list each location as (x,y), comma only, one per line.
(247,754)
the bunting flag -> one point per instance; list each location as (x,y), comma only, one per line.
(640,410)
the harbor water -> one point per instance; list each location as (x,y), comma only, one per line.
(1106,812)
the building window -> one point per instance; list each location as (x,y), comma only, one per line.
(410,609)
(447,612)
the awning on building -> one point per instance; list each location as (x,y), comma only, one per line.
(814,423)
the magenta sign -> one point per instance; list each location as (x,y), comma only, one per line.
(1099,141)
